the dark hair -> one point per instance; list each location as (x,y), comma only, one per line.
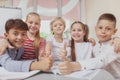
(107,16)
(85,39)
(15,23)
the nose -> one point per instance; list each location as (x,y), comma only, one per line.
(33,24)
(103,30)
(19,37)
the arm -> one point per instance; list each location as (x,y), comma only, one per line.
(3,45)
(48,46)
(26,65)
(10,65)
(100,61)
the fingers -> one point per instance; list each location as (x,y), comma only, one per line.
(64,68)
(116,43)
(91,40)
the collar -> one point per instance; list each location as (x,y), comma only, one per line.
(104,43)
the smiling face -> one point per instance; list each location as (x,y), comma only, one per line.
(58,27)
(105,29)
(16,37)
(33,22)
(77,32)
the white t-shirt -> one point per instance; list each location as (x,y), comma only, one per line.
(56,46)
(83,50)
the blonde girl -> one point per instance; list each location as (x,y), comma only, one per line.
(34,44)
(56,44)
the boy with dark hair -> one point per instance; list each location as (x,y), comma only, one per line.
(16,31)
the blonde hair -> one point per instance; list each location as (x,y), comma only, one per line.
(56,19)
(37,36)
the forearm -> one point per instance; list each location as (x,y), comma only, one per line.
(10,65)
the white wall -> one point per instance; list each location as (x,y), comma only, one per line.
(94,8)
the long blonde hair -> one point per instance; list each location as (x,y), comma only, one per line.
(37,36)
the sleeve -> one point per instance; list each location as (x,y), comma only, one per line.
(99,62)
(14,65)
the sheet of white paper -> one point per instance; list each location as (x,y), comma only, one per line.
(4,74)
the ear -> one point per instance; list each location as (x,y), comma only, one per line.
(6,35)
(115,31)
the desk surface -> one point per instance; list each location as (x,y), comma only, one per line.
(101,75)
(50,76)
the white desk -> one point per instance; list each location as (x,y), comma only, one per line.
(101,75)
(49,76)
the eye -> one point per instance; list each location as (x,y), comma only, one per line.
(24,34)
(36,23)
(30,22)
(100,27)
(79,30)
(73,30)
(108,28)
(15,33)
(61,24)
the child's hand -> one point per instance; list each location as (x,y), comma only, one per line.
(4,44)
(116,43)
(43,64)
(63,52)
(47,62)
(65,67)
(91,40)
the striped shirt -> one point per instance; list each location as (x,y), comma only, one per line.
(29,49)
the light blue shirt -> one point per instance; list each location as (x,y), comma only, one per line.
(10,60)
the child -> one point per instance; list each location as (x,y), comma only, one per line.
(80,47)
(15,34)
(34,45)
(103,52)
(56,43)
(57,46)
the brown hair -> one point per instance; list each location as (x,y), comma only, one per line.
(107,16)
(37,36)
(15,23)
(85,39)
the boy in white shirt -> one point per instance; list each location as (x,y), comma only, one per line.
(103,52)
